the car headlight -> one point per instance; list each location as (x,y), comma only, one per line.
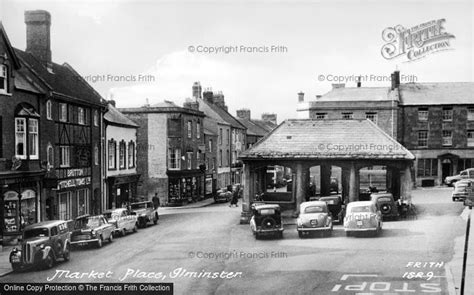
(41,246)
(93,233)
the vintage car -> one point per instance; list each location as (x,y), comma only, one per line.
(336,207)
(461,190)
(124,220)
(145,212)
(465,174)
(385,204)
(92,230)
(362,216)
(266,220)
(222,195)
(469,201)
(42,245)
(314,217)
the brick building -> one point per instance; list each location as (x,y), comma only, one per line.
(435,121)
(50,125)
(170,151)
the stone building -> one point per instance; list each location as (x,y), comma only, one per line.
(50,130)
(435,121)
(256,129)
(170,151)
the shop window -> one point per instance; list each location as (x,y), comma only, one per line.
(28,208)
(82,201)
(3,79)
(11,213)
(65,206)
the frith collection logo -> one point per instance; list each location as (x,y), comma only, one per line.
(416,42)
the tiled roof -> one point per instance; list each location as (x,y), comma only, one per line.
(253,128)
(328,139)
(437,93)
(113,116)
(266,125)
(225,116)
(356,94)
(63,80)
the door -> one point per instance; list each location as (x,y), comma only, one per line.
(446,169)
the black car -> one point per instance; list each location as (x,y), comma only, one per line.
(336,207)
(266,220)
(386,204)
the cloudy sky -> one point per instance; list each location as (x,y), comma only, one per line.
(162,43)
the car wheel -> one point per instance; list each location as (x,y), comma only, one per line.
(135,228)
(49,261)
(143,223)
(111,238)
(386,208)
(100,242)
(67,253)
(155,220)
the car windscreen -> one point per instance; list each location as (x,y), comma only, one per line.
(267,211)
(138,206)
(329,201)
(385,199)
(85,223)
(36,232)
(361,209)
(314,209)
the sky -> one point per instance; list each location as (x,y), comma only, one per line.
(139,51)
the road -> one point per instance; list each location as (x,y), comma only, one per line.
(191,240)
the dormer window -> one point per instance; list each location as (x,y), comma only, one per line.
(3,79)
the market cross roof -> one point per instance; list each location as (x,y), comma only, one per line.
(328,139)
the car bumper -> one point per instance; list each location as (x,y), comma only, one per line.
(84,242)
(325,228)
(269,231)
(361,229)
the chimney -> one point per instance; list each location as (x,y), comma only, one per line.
(395,79)
(112,102)
(338,85)
(191,104)
(301,96)
(197,90)
(359,83)
(269,118)
(208,96)
(219,100)
(243,114)
(38,41)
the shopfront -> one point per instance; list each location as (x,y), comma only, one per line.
(186,188)
(122,190)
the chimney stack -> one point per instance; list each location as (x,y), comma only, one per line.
(208,96)
(38,39)
(269,118)
(243,114)
(191,104)
(300,96)
(395,79)
(197,90)
(112,102)
(219,100)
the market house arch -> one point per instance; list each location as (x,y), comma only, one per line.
(349,144)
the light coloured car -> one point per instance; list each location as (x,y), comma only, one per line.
(362,216)
(124,220)
(314,217)
(461,190)
(92,230)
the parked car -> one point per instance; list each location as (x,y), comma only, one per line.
(223,195)
(145,212)
(336,207)
(461,190)
(124,220)
(266,220)
(92,230)
(42,245)
(469,201)
(385,204)
(465,174)
(314,217)
(362,216)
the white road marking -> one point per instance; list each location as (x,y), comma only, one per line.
(346,276)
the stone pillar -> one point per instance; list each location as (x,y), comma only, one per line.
(440,171)
(301,185)
(345,175)
(406,184)
(353,183)
(325,173)
(247,198)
